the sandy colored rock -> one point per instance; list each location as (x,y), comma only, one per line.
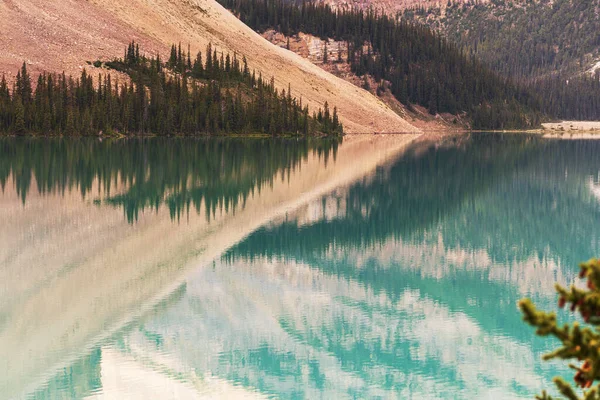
(569,126)
(63,35)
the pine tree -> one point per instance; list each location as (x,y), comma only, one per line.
(25,90)
(198,68)
(5,112)
(180,64)
(336,120)
(579,342)
(209,61)
(19,111)
(173,58)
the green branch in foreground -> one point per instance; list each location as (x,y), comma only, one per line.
(580,342)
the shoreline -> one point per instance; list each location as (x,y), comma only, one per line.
(150,136)
(551,133)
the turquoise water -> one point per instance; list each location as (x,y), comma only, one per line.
(162,268)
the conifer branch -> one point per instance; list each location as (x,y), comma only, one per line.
(578,342)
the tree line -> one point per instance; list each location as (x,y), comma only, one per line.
(422,67)
(214,93)
(569,97)
(545,46)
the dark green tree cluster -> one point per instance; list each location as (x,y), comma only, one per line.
(422,66)
(218,95)
(568,98)
(579,342)
(541,44)
(522,39)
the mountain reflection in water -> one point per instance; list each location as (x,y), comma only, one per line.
(148,173)
(402,284)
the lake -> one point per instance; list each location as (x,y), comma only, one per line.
(368,267)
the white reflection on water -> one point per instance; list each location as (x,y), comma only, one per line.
(427,309)
(73,272)
(270,325)
(432,258)
(155,376)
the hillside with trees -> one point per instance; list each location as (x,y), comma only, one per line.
(550,47)
(421,66)
(62,36)
(212,94)
(521,38)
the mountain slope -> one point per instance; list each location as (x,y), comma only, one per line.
(393,6)
(57,36)
(416,64)
(522,38)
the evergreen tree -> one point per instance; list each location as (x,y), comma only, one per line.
(24,85)
(19,115)
(335,120)
(173,58)
(198,68)
(579,342)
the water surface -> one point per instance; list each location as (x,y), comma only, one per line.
(279,269)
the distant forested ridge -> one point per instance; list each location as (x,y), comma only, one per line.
(569,98)
(521,38)
(422,66)
(550,46)
(212,93)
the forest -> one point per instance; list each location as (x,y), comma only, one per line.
(545,46)
(427,69)
(213,93)
(423,67)
(522,39)
(216,93)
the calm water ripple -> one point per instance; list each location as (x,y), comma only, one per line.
(174,269)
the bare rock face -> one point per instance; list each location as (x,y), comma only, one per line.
(62,35)
(392,6)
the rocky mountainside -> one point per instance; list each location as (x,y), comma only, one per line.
(394,6)
(520,38)
(62,35)
(550,48)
